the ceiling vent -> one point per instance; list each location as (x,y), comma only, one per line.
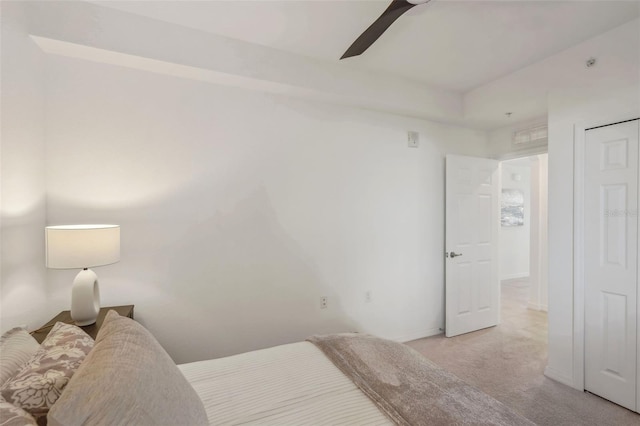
(532,135)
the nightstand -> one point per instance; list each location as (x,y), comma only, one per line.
(91,330)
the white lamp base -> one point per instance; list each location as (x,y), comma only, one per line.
(85,298)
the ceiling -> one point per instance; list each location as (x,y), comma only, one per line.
(454,45)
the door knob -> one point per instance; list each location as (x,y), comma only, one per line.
(454,254)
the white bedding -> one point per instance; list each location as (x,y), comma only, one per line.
(291,384)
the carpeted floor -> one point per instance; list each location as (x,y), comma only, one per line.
(508,361)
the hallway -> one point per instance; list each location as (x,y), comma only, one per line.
(507,362)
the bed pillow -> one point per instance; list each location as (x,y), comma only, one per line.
(10,415)
(128,378)
(16,348)
(41,380)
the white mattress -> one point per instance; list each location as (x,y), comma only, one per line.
(292,384)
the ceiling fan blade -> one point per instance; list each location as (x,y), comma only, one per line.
(380,25)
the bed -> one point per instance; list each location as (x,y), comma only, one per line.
(288,384)
(125,377)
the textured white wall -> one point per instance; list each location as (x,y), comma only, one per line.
(23,291)
(514,240)
(239,210)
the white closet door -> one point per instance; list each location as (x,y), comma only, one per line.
(611,260)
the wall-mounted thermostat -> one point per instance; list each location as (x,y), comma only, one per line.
(414,139)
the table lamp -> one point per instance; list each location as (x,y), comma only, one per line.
(83,246)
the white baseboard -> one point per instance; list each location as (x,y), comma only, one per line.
(537,307)
(558,377)
(515,276)
(418,334)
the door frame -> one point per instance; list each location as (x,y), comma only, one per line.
(535,238)
(579,130)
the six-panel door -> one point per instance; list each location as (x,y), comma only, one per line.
(611,262)
(472,220)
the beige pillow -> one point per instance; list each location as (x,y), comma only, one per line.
(16,348)
(127,379)
(40,381)
(10,415)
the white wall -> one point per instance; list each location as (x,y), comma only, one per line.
(23,291)
(239,209)
(514,240)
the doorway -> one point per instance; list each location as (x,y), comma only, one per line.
(523,238)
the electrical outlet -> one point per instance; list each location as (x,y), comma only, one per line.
(367,296)
(324,303)
(414,139)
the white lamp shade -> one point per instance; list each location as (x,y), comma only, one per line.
(82,246)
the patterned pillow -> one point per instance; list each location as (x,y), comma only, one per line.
(128,379)
(40,381)
(16,348)
(10,415)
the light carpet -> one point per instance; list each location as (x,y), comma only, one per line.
(507,362)
(410,389)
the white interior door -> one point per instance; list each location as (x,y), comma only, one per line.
(611,260)
(472,220)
